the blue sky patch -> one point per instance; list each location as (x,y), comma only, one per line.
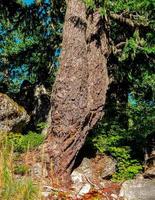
(28,2)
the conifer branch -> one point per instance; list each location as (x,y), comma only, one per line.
(127,21)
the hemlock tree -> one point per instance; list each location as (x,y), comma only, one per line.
(92,31)
(80,88)
(127,130)
(99,36)
(29,38)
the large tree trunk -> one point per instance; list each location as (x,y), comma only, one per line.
(80,88)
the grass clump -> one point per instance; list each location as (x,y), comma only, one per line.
(12,188)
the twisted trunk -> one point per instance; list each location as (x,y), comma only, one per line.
(80,88)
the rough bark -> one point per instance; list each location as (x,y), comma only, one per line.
(80,88)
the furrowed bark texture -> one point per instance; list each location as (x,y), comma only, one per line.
(80,88)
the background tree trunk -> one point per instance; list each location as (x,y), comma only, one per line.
(80,88)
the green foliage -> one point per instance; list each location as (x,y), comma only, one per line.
(112,143)
(125,141)
(141,121)
(130,108)
(128,123)
(136,45)
(21,169)
(41,126)
(22,143)
(28,42)
(90,4)
(126,169)
(99,4)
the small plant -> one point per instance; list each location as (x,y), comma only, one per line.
(127,167)
(31,141)
(21,169)
(111,142)
(90,4)
(41,126)
(23,142)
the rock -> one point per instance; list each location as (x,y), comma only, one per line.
(38,171)
(85,168)
(77,180)
(138,190)
(41,105)
(100,167)
(150,172)
(45,194)
(114,196)
(36,100)
(77,177)
(80,184)
(92,171)
(108,166)
(81,174)
(47,190)
(150,164)
(85,189)
(139,177)
(149,157)
(12,116)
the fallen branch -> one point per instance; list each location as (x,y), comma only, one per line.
(54,189)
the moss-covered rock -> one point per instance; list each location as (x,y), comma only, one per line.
(13,117)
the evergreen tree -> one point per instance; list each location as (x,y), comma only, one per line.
(30,43)
(30,37)
(128,126)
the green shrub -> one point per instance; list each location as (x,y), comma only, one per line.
(31,141)
(22,143)
(111,141)
(90,4)
(126,169)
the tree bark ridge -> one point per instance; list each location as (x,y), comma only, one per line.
(80,88)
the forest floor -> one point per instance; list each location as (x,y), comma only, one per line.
(110,191)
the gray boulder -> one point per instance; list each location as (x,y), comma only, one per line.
(150,172)
(91,173)
(85,168)
(79,175)
(108,166)
(150,164)
(100,167)
(138,190)
(12,116)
